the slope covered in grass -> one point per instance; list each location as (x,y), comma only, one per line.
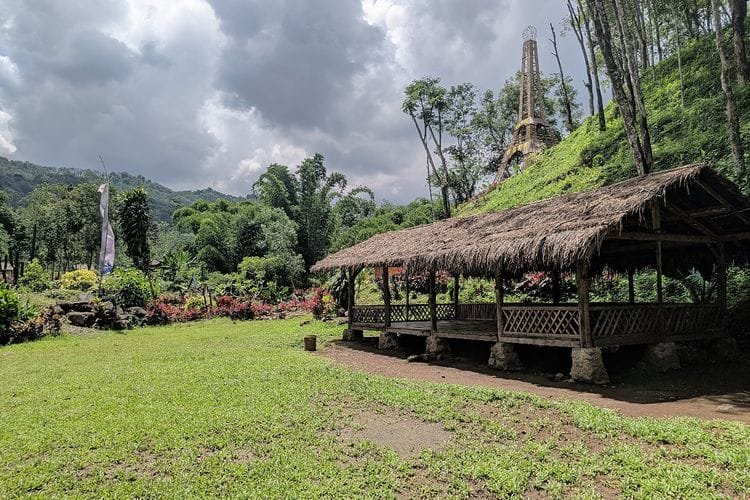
(588,158)
(239,409)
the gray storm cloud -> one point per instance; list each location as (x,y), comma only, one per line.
(197,93)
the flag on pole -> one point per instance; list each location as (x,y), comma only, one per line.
(107,252)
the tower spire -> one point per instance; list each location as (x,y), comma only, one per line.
(532,133)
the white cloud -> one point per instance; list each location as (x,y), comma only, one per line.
(6,134)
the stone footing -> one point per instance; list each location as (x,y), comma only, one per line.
(503,356)
(724,349)
(662,357)
(436,346)
(588,365)
(388,341)
(352,335)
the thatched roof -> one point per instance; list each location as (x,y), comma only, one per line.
(551,233)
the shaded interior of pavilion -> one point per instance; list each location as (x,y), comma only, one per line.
(675,221)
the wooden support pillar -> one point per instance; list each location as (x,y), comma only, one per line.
(631,285)
(455,295)
(351,299)
(387,297)
(555,286)
(656,224)
(408,292)
(499,300)
(432,301)
(721,285)
(583,282)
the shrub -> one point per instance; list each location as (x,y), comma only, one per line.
(10,307)
(194,302)
(17,320)
(162,313)
(80,279)
(128,288)
(234,308)
(35,278)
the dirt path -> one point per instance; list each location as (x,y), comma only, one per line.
(706,392)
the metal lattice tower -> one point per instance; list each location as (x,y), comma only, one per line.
(532,133)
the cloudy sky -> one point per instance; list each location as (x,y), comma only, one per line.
(198,93)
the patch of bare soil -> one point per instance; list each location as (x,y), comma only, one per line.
(144,464)
(706,392)
(403,433)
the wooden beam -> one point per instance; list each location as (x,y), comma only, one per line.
(408,293)
(688,238)
(387,296)
(584,314)
(432,301)
(455,295)
(716,196)
(556,286)
(699,226)
(351,291)
(499,300)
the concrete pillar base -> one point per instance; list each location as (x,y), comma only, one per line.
(352,335)
(588,365)
(436,346)
(662,357)
(724,349)
(503,356)
(388,341)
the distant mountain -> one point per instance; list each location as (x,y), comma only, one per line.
(19,178)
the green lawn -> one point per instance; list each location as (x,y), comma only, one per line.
(222,408)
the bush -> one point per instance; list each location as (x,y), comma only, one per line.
(162,313)
(233,308)
(17,320)
(35,278)
(194,302)
(128,288)
(80,279)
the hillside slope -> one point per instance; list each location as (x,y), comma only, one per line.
(588,158)
(19,178)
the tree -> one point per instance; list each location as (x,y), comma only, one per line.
(739,14)
(618,76)
(425,102)
(594,68)
(733,124)
(563,85)
(134,217)
(576,24)
(278,187)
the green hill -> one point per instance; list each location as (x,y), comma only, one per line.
(588,158)
(19,178)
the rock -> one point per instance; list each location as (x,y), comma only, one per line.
(503,356)
(342,321)
(692,353)
(388,341)
(724,349)
(353,335)
(726,408)
(138,312)
(588,365)
(662,357)
(82,306)
(415,358)
(84,319)
(559,377)
(437,346)
(58,310)
(304,323)
(120,324)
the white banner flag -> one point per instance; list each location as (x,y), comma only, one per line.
(107,253)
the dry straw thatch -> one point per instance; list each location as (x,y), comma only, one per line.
(556,232)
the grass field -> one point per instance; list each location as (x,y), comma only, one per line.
(238,409)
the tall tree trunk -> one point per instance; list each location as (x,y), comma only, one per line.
(655,21)
(575,23)
(604,36)
(634,84)
(733,124)
(422,131)
(594,68)
(739,13)
(563,85)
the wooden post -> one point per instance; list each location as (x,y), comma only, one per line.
(387,297)
(584,313)
(656,223)
(721,285)
(631,286)
(555,286)
(499,299)
(408,292)
(455,295)
(432,302)
(351,299)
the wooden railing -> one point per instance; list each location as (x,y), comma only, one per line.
(611,324)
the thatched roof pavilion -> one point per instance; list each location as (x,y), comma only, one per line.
(558,232)
(678,219)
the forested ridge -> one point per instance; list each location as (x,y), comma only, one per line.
(19,178)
